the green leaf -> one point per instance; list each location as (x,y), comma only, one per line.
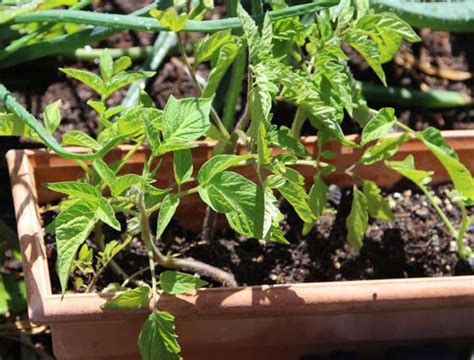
(407,168)
(134,299)
(182,166)
(282,138)
(106,213)
(131,123)
(106,65)
(98,106)
(296,195)
(123,79)
(376,204)
(121,64)
(358,220)
(79,138)
(52,116)
(175,283)
(167,210)
(158,339)
(73,225)
(86,77)
(12,295)
(104,172)
(218,164)
(11,125)
(206,48)
(170,19)
(368,49)
(318,197)
(174,145)
(383,149)
(125,182)
(459,174)
(152,130)
(110,112)
(186,119)
(75,189)
(381,124)
(227,55)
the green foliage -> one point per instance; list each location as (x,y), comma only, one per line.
(134,299)
(167,210)
(378,208)
(175,282)
(358,220)
(158,339)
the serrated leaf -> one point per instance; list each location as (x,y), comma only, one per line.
(170,19)
(186,119)
(106,65)
(106,213)
(72,226)
(174,145)
(86,77)
(358,220)
(459,174)
(381,124)
(167,211)
(123,79)
(219,163)
(407,168)
(182,165)
(208,46)
(318,197)
(153,134)
(52,116)
(79,138)
(104,172)
(131,123)
(282,138)
(383,149)
(158,339)
(134,299)
(296,195)
(226,57)
(75,189)
(368,49)
(376,204)
(176,283)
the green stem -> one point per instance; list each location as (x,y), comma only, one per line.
(127,22)
(15,107)
(440,212)
(463,251)
(235,87)
(298,121)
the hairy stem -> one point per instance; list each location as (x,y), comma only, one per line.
(463,251)
(186,264)
(298,122)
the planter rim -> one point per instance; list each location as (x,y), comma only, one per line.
(256,301)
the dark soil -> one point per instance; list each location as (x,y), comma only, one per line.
(416,244)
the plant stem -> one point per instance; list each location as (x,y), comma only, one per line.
(235,87)
(462,251)
(186,264)
(440,212)
(298,121)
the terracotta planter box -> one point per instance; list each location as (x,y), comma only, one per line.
(262,322)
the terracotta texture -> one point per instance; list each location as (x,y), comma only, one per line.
(267,322)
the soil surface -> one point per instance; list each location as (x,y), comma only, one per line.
(416,244)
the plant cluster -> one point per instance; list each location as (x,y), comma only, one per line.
(297,59)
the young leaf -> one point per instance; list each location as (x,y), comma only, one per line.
(75,189)
(170,19)
(98,106)
(379,125)
(296,195)
(175,283)
(104,172)
(158,339)
(182,166)
(358,220)
(106,65)
(167,210)
(110,112)
(459,174)
(72,226)
(407,168)
(86,77)
(186,119)
(282,138)
(368,49)
(121,64)
(106,213)
(318,197)
(376,204)
(52,116)
(123,79)
(227,54)
(206,48)
(152,130)
(79,138)
(125,182)
(218,164)
(383,149)
(134,299)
